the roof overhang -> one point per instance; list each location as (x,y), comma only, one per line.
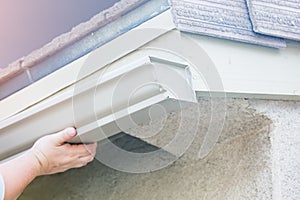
(52,98)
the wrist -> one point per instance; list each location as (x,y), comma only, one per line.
(32,156)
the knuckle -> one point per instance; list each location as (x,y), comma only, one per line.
(72,154)
(91,159)
(83,164)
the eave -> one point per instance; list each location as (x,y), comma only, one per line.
(247,71)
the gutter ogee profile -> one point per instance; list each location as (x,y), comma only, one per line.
(121,99)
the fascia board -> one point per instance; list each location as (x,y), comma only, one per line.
(246,71)
(68,75)
(249,71)
(61,110)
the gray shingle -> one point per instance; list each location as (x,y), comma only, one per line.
(227,19)
(275,17)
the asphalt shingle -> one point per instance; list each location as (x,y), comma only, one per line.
(227,19)
(277,18)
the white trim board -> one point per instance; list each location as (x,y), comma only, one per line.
(253,71)
(246,71)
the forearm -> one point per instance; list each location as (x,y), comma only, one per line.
(50,154)
(18,173)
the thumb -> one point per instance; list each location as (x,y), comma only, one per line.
(64,135)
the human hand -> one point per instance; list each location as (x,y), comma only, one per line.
(54,155)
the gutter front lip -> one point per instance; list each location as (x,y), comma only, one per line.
(57,112)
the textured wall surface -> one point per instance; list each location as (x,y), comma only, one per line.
(285,139)
(256,157)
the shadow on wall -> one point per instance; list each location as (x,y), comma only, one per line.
(239,167)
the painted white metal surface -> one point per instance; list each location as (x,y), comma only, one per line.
(103,104)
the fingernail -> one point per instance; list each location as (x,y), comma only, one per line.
(71,131)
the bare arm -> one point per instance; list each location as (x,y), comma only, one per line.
(49,155)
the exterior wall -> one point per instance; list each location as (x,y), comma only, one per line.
(256,157)
(285,139)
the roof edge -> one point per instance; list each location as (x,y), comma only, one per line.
(60,53)
(66,39)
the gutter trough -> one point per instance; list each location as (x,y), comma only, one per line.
(103,104)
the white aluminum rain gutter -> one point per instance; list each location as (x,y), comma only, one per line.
(47,105)
(122,98)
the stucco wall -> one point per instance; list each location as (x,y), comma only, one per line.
(285,140)
(256,157)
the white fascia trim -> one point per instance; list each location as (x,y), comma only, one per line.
(246,71)
(250,71)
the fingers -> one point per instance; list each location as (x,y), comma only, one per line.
(91,148)
(81,150)
(63,136)
(75,162)
(61,156)
(85,160)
